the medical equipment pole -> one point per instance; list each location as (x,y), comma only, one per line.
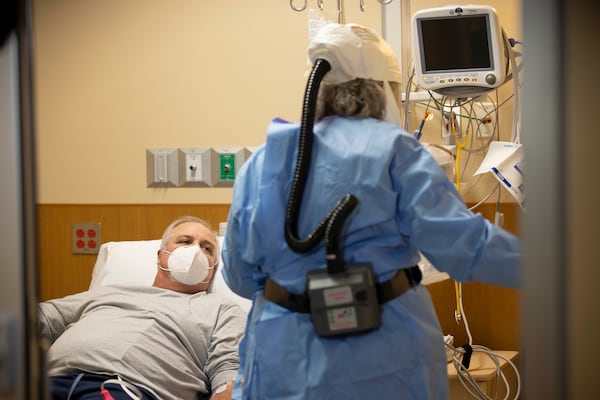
(341,18)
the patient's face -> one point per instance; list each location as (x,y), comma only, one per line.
(188,234)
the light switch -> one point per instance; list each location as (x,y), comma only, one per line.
(162,167)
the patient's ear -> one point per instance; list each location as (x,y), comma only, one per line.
(159,255)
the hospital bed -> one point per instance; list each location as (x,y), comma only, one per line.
(134,263)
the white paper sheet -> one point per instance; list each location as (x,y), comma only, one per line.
(505,161)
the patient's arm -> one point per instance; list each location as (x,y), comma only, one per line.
(224,394)
(223,360)
(55,315)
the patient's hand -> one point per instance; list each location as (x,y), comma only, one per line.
(224,394)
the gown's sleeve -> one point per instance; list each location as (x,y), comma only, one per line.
(437,222)
(243,276)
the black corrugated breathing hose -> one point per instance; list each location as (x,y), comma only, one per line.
(342,208)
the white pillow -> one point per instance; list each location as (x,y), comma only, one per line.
(126,262)
(134,263)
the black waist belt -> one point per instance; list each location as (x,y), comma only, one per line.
(386,291)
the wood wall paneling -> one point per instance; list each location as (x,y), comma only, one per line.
(492,312)
(63,273)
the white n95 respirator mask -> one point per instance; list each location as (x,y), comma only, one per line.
(188,265)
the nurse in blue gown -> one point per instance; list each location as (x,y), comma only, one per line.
(406,205)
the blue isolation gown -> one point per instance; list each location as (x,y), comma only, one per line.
(406,204)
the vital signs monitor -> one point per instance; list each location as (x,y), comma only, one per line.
(458,51)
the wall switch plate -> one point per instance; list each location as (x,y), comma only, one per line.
(226,163)
(162,167)
(86,238)
(194,167)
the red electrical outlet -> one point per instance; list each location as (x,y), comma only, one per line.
(86,238)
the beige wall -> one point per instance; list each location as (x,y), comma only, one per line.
(116,77)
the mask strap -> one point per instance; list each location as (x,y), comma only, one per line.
(161,267)
(158,262)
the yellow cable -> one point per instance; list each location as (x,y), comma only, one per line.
(458,310)
(459,147)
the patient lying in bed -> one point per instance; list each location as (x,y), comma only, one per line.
(165,338)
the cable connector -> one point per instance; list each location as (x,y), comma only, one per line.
(499,219)
(419,130)
(466,358)
(106,394)
(129,389)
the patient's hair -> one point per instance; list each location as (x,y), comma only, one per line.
(188,218)
(359,98)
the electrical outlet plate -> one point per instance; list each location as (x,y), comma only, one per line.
(194,167)
(162,167)
(226,162)
(485,111)
(451,116)
(86,238)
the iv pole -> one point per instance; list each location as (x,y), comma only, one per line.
(341,17)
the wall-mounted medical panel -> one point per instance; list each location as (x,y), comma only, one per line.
(86,237)
(162,167)
(195,166)
(226,162)
(250,151)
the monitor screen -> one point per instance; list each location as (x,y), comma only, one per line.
(467,47)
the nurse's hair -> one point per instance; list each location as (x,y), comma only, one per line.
(182,220)
(358,98)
